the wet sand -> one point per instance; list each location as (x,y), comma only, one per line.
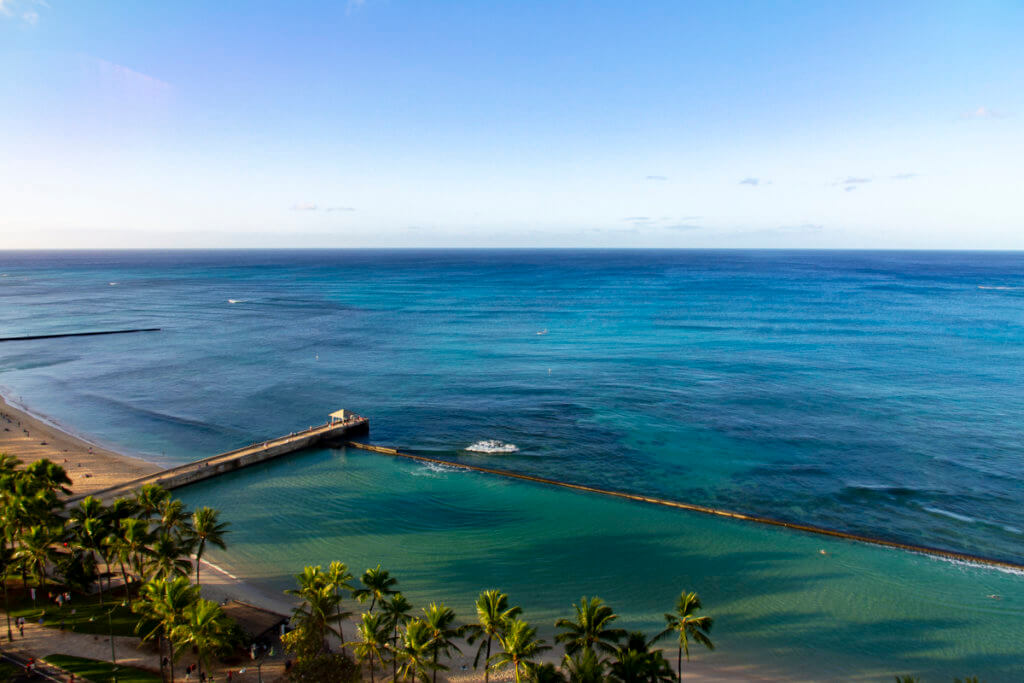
(90,467)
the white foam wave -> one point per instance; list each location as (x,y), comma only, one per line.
(951,515)
(967,564)
(1001,288)
(237,301)
(492,446)
(432,469)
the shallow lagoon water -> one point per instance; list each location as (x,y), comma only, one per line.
(878,393)
(782,608)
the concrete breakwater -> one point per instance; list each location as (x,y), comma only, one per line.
(690,507)
(332,433)
(78,334)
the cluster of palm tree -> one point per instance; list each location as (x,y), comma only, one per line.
(149,539)
(173,613)
(390,634)
(147,536)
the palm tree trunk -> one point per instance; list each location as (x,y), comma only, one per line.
(160,654)
(170,647)
(341,630)
(99,581)
(680,664)
(7,611)
(124,575)
(199,557)
(487,662)
(371,668)
(394,658)
(434,679)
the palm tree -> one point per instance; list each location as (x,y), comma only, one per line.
(519,648)
(206,628)
(396,609)
(545,673)
(133,548)
(584,667)
(591,628)
(36,551)
(49,476)
(416,650)
(688,626)
(168,557)
(440,619)
(118,511)
(373,640)
(88,527)
(634,662)
(492,613)
(7,561)
(207,529)
(163,603)
(174,518)
(340,579)
(150,498)
(319,608)
(377,584)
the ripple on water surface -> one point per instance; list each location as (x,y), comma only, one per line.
(854,610)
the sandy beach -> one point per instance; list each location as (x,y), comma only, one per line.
(90,467)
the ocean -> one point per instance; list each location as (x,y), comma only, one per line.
(879,393)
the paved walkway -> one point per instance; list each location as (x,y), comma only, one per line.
(40,642)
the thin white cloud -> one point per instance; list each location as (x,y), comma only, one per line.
(130,76)
(983,113)
(851,183)
(904,176)
(22,9)
(304,206)
(656,177)
(340,208)
(755,182)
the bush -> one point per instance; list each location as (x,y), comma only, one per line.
(327,668)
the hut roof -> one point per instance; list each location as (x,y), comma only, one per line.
(255,621)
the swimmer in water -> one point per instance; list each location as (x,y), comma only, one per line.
(822,552)
(995,597)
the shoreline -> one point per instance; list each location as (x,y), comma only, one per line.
(28,437)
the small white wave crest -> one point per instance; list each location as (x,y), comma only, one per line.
(433,469)
(951,515)
(492,446)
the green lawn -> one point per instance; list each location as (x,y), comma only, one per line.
(101,672)
(89,617)
(8,671)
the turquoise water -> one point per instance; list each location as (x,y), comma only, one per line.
(878,393)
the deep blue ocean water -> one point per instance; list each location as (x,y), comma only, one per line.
(880,393)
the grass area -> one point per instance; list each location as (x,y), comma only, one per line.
(88,617)
(101,672)
(8,671)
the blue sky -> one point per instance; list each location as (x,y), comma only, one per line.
(389,123)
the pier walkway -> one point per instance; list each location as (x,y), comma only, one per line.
(342,426)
